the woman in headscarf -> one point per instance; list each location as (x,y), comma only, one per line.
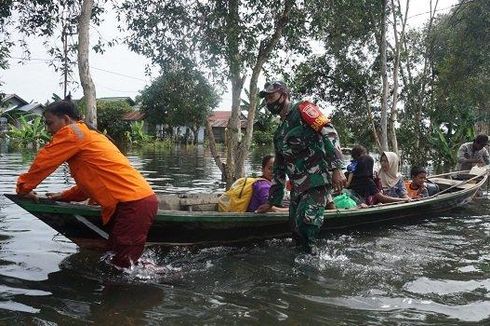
(391,180)
(363,183)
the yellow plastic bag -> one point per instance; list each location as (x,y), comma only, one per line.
(237,198)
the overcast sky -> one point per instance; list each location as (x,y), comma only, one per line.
(117,72)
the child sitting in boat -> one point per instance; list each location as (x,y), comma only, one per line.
(261,187)
(350,171)
(417,188)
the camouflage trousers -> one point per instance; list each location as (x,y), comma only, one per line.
(306,213)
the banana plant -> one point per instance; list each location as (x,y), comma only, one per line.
(137,134)
(29,132)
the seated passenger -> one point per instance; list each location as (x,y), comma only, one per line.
(350,171)
(363,183)
(391,181)
(260,188)
(417,188)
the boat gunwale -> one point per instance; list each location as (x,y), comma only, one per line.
(219,217)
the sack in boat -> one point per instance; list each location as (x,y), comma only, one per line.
(237,198)
(344,201)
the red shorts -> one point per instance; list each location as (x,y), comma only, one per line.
(128,229)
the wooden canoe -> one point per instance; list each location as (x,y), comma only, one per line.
(193,220)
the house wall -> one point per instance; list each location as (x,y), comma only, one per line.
(219,134)
(3,124)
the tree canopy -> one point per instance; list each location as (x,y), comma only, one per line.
(232,40)
(179,97)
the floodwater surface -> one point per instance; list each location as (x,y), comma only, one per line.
(436,272)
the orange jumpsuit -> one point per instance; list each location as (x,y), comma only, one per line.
(100,170)
(105,175)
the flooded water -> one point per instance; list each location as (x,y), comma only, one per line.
(436,272)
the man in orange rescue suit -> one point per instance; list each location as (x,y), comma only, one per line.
(102,173)
(306,152)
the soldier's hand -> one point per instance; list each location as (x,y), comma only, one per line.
(338,180)
(264,208)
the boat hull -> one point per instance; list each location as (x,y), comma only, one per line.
(208,228)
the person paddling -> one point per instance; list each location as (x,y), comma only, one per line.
(102,173)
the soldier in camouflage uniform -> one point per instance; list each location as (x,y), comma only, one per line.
(306,149)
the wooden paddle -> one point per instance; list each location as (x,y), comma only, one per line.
(92,226)
(437,194)
(88,224)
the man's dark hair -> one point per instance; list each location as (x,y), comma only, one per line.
(63,107)
(481,140)
(416,170)
(357,151)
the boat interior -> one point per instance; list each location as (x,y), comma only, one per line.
(201,202)
(189,202)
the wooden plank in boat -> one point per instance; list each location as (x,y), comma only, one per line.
(206,202)
(452,182)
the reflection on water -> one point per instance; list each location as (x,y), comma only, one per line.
(437,272)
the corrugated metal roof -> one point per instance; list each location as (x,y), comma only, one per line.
(29,107)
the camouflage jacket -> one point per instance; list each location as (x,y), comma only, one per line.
(303,154)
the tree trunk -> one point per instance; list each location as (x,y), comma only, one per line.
(214,151)
(83,62)
(425,73)
(236,149)
(265,49)
(195,133)
(384,75)
(396,67)
(483,125)
(373,127)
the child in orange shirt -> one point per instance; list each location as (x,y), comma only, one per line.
(417,188)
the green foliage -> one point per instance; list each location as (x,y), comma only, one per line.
(347,75)
(461,43)
(460,93)
(447,141)
(109,118)
(137,135)
(265,123)
(46,19)
(264,128)
(180,97)
(29,133)
(5,43)
(223,37)
(158,145)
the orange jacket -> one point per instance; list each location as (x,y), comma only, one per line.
(100,170)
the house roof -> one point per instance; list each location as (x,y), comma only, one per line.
(133,116)
(10,97)
(219,119)
(16,103)
(118,98)
(29,107)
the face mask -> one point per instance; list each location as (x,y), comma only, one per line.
(275,107)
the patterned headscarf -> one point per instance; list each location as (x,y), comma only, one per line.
(390,178)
